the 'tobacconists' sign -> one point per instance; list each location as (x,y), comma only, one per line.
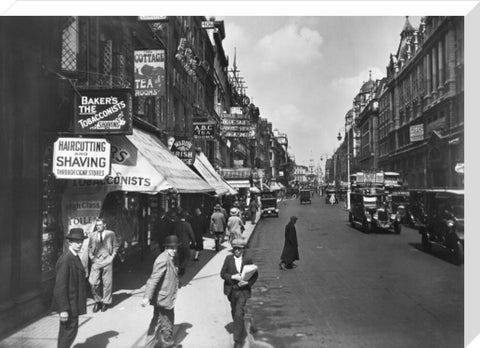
(81,158)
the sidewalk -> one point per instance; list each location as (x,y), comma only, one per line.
(202,312)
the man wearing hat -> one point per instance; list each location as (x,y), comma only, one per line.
(217,225)
(161,292)
(238,291)
(69,292)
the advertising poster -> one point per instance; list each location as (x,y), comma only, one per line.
(81,158)
(236,126)
(149,73)
(103,112)
(416,133)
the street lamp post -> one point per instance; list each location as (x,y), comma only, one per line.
(347,138)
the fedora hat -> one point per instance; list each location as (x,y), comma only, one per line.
(76,234)
(171,241)
(239,243)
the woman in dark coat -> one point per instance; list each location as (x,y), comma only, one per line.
(290,249)
(200,227)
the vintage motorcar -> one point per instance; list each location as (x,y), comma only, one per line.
(370,212)
(417,213)
(331,196)
(305,196)
(400,202)
(269,204)
(444,221)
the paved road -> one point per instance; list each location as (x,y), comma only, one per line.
(352,289)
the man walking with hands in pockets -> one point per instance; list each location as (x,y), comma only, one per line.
(238,290)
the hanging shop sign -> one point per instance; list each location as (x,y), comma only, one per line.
(183,149)
(81,158)
(152,18)
(416,133)
(203,130)
(208,24)
(236,126)
(103,112)
(149,73)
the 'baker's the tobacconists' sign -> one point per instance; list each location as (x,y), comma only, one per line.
(81,158)
(103,112)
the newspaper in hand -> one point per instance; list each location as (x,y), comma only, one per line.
(248,271)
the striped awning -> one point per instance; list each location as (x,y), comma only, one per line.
(208,173)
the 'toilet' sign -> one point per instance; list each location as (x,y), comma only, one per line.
(81,158)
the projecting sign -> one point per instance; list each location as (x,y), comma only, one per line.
(149,73)
(103,112)
(81,158)
(208,24)
(203,130)
(236,125)
(416,133)
(183,149)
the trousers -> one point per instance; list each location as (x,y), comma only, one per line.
(238,300)
(160,328)
(104,273)
(67,332)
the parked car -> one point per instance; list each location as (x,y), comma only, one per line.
(444,222)
(371,212)
(400,202)
(269,204)
(305,196)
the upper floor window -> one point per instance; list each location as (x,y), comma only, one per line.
(70,45)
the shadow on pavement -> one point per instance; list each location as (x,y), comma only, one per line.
(97,341)
(180,332)
(437,251)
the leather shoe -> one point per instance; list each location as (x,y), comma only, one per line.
(104,307)
(96,307)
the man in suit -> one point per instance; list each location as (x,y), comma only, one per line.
(69,292)
(161,292)
(237,290)
(183,230)
(102,248)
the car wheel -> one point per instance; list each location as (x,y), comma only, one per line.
(397,228)
(426,245)
(458,253)
(367,227)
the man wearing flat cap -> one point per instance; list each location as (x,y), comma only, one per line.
(69,292)
(238,291)
(161,292)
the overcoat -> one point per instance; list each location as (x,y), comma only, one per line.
(229,269)
(69,292)
(162,286)
(290,249)
(200,227)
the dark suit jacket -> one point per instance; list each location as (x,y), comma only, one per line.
(69,292)
(184,232)
(230,269)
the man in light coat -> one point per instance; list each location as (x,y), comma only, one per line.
(161,292)
(102,248)
(218,223)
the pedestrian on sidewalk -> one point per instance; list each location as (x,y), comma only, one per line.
(218,223)
(102,248)
(183,230)
(200,227)
(161,292)
(290,248)
(164,228)
(69,292)
(235,225)
(238,291)
(253,208)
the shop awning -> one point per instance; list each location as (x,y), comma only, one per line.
(239,183)
(231,190)
(207,172)
(141,163)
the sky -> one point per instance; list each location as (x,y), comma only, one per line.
(303,72)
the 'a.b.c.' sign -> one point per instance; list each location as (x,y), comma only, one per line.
(81,158)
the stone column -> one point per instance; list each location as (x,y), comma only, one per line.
(434,73)
(428,78)
(441,79)
(450,60)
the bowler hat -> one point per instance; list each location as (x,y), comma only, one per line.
(171,241)
(76,234)
(239,243)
